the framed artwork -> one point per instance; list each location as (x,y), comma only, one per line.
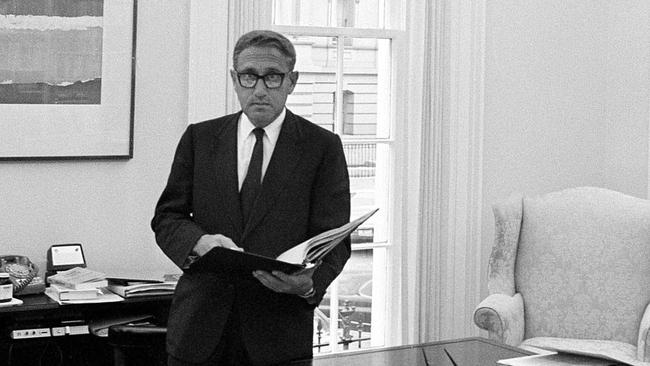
(67,79)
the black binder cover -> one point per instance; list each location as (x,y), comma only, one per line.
(237,264)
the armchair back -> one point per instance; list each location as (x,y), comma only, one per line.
(583,264)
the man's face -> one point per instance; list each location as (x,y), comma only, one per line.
(260,103)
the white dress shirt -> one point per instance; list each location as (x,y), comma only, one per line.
(246,142)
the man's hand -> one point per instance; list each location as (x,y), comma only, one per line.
(296,284)
(207,242)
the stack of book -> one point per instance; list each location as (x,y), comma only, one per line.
(76,285)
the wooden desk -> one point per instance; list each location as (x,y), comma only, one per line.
(466,352)
(39,311)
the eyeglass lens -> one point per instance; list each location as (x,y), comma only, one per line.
(272,81)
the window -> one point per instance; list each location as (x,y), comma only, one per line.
(345,56)
(432,249)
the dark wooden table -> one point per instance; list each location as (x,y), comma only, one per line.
(465,352)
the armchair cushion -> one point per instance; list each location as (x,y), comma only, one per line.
(503,317)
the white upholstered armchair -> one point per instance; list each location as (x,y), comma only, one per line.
(571,268)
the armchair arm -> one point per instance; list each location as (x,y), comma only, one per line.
(643,346)
(503,317)
(501,268)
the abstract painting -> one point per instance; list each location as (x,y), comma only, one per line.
(53,52)
(66,78)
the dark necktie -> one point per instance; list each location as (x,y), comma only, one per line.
(253,181)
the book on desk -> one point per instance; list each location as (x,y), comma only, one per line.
(128,288)
(71,296)
(61,293)
(79,278)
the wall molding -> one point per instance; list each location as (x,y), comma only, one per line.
(449,252)
(207,63)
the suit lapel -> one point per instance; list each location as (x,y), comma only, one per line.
(225,161)
(286,156)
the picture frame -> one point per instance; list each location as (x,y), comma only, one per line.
(67,90)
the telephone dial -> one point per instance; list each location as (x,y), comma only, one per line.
(23,274)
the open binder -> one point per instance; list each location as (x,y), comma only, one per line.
(305,255)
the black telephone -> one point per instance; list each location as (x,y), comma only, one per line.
(23,274)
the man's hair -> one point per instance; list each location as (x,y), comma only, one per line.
(265,38)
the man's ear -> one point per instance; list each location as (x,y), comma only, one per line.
(293,76)
(233,77)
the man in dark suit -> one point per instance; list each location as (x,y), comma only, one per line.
(261,191)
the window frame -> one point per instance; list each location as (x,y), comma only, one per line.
(383,250)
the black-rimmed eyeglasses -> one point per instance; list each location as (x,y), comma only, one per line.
(271,81)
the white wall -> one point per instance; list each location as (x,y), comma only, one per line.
(567,93)
(107,205)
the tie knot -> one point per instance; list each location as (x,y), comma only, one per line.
(259,133)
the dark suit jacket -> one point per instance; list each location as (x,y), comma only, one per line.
(305,191)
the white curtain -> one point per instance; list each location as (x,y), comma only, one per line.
(441,260)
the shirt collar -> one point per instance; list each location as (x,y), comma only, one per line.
(272,129)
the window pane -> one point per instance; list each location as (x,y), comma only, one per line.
(373,14)
(369,171)
(362,161)
(366,87)
(354,307)
(313,97)
(302,12)
(366,97)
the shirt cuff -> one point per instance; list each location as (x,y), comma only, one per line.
(190,260)
(309,293)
